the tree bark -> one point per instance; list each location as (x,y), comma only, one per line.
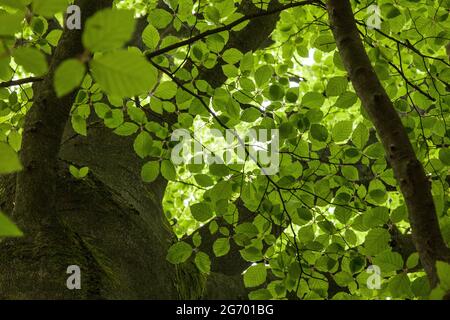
(43,130)
(408,170)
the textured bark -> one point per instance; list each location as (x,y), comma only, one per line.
(408,170)
(120,236)
(43,130)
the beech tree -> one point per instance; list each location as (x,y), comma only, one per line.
(93,94)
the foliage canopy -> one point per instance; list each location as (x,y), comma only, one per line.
(334,208)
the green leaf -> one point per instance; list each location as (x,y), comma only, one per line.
(203,262)
(400,286)
(150,37)
(222,190)
(123,73)
(343,278)
(377,192)
(336,86)
(360,136)
(221,247)
(203,180)
(215,42)
(375,217)
(444,156)
(10,23)
(263,75)
(443,271)
(48,8)
(31,59)
(201,211)
(346,100)
(15,140)
(79,173)
(150,171)
(260,294)
(247,63)
(197,239)
(302,216)
(250,115)
(390,11)
(230,71)
(218,169)
(342,214)
(168,170)
(388,261)
(53,37)
(9,160)
(108,29)
(126,129)
(159,18)
(166,90)
(212,14)
(255,275)
(101,109)
(247,228)
(327,227)
(276,92)
(421,287)
(143,144)
(351,173)
(113,118)
(233,109)
(79,124)
(377,240)
(375,151)
(232,56)
(357,264)
(17,4)
(413,260)
(342,131)
(325,43)
(313,100)
(319,132)
(179,252)
(213,227)
(137,115)
(68,76)
(286,130)
(292,95)
(39,25)
(7,227)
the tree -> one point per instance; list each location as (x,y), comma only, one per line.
(356,93)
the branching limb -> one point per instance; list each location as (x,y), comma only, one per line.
(408,170)
(19,82)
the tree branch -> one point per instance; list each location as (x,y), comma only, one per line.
(18,82)
(230,26)
(406,44)
(408,170)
